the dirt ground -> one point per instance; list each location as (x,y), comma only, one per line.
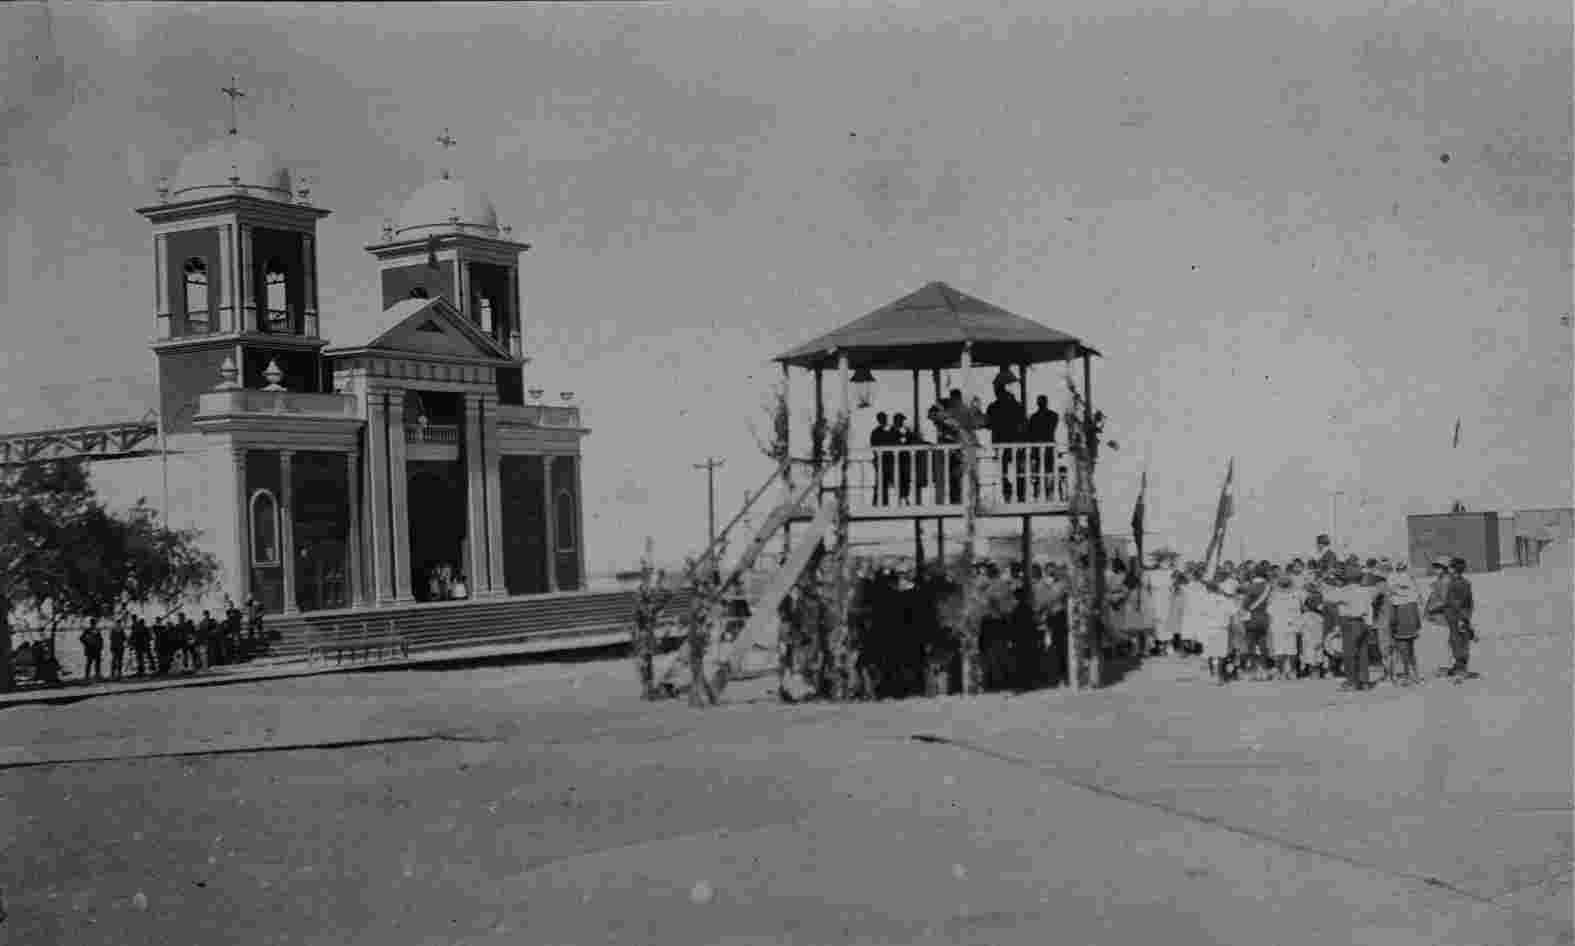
(548,805)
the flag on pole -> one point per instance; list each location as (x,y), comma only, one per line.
(1137,518)
(1457,433)
(1222,516)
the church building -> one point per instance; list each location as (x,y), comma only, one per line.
(341,460)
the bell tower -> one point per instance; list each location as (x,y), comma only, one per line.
(447,243)
(235,259)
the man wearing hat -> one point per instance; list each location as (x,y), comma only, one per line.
(1458,607)
(1324,559)
(1007,420)
(1356,602)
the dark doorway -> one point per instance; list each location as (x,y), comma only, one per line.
(321,518)
(436,500)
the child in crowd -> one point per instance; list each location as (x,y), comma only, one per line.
(1285,607)
(1405,621)
(1215,614)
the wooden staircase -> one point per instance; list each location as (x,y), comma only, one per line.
(734,640)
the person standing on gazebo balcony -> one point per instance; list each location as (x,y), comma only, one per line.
(901,436)
(1042,425)
(1007,425)
(885,467)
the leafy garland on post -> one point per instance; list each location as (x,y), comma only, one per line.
(840,653)
(643,643)
(1085,611)
(703,585)
(775,449)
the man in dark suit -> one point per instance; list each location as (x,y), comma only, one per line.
(1042,424)
(1007,422)
(1458,607)
(885,463)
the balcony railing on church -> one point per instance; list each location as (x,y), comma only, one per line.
(906,481)
(253,401)
(540,415)
(432,433)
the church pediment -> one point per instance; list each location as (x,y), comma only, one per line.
(421,327)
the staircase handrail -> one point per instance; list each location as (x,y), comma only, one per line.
(668,593)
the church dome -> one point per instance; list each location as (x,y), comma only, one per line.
(447,204)
(253,167)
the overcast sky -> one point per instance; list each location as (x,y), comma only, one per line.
(1246,208)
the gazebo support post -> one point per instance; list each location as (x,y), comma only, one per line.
(971,670)
(1026,593)
(787,461)
(842,660)
(913,480)
(938,476)
(1087,462)
(970,457)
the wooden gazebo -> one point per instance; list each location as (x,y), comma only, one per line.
(933,329)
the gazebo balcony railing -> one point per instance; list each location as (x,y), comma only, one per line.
(903,481)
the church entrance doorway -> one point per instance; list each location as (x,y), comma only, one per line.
(436,500)
(321,517)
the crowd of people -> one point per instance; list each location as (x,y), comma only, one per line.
(179,644)
(1321,616)
(1324,617)
(446,583)
(1029,473)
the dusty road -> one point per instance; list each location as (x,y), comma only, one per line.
(546,805)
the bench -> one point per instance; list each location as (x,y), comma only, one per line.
(363,641)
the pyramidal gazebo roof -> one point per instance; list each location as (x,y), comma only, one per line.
(928,328)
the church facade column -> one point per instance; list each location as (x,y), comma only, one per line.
(287,556)
(353,543)
(247,303)
(477,528)
(399,489)
(161,285)
(380,537)
(516,344)
(228,316)
(551,522)
(492,494)
(579,519)
(243,521)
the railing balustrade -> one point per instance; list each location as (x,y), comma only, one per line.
(431,433)
(1028,476)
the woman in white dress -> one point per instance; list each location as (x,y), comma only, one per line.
(1213,614)
(1157,593)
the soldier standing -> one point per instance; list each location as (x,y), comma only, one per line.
(92,651)
(117,649)
(1458,608)
(141,646)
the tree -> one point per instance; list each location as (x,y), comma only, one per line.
(64,556)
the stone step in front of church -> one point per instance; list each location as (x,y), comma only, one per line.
(575,618)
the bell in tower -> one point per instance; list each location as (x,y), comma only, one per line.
(447,243)
(236,270)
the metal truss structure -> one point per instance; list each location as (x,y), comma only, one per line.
(95,442)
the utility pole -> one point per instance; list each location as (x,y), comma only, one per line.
(711,465)
(1334,529)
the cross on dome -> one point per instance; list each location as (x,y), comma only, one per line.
(448,141)
(233,92)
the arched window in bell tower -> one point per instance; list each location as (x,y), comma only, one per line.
(275,278)
(196,282)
